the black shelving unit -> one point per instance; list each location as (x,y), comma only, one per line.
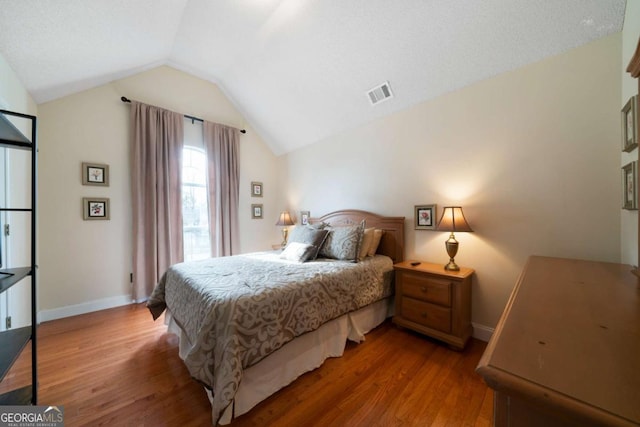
(13,341)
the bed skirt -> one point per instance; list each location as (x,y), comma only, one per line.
(303,354)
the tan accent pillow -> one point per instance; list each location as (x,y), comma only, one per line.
(377,236)
(365,244)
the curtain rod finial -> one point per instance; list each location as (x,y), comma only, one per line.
(125,99)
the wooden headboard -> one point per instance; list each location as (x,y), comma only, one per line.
(392,243)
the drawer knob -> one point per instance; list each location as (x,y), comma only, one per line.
(424,314)
(423,289)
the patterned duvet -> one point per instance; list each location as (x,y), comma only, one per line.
(237,310)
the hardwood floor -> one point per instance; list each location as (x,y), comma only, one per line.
(119,368)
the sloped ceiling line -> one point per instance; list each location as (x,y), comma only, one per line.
(297,69)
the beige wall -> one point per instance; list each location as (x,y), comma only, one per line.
(532,155)
(85,265)
(630,35)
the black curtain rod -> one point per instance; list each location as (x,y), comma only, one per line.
(125,99)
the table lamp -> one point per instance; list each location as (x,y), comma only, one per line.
(452,220)
(284,220)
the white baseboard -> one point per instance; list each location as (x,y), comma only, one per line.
(85,307)
(482,332)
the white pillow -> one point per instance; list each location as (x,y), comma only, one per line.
(296,251)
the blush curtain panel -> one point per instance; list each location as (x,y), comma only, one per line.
(156,180)
(221,145)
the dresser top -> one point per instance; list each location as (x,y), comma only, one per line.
(570,335)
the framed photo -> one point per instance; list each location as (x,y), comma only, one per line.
(630,186)
(630,124)
(425,217)
(304,217)
(95,174)
(95,208)
(256,189)
(256,211)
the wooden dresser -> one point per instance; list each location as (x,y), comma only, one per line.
(434,301)
(566,351)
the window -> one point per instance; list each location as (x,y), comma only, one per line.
(195,208)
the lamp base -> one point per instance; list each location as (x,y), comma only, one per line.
(285,233)
(452,249)
(452,266)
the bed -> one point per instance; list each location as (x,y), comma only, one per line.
(251,324)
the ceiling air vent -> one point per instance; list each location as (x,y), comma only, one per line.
(379,93)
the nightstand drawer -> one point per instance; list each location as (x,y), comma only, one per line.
(423,313)
(427,288)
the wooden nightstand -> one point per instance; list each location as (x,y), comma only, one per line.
(434,301)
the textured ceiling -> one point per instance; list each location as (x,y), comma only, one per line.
(297,70)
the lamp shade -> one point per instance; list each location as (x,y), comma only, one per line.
(284,219)
(453,220)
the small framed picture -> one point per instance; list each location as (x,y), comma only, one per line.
(95,208)
(95,174)
(256,189)
(256,211)
(630,124)
(425,217)
(630,186)
(304,217)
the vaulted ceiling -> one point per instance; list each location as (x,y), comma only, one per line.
(298,70)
